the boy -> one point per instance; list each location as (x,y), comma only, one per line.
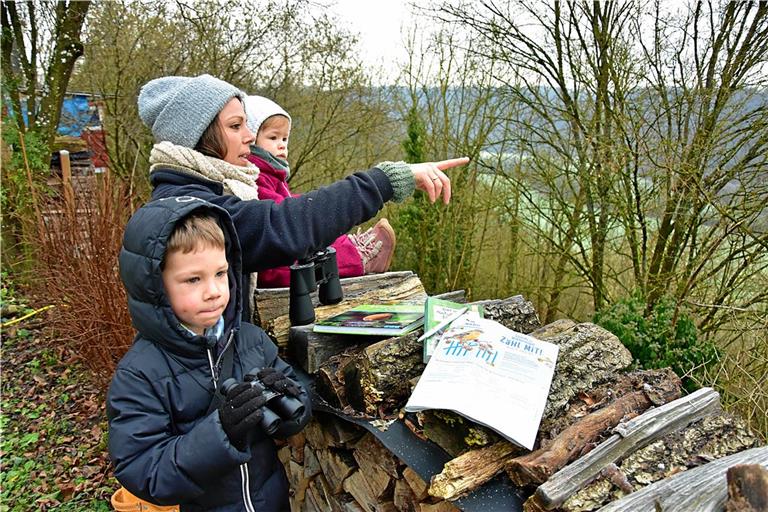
(173,436)
(368,252)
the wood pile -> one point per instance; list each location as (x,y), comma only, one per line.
(611,437)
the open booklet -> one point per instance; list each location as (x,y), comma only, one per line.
(490,374)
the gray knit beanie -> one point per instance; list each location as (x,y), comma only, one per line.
(258,109)
(178,109)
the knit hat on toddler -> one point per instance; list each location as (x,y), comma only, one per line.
(178,109)
(258,109)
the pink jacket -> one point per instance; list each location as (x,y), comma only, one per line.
(273,186)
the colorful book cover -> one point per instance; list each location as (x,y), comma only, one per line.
(374,319)
(436,311)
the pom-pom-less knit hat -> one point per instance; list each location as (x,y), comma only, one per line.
(258,109)
(178,109)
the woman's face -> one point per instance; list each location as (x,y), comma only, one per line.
(237,136)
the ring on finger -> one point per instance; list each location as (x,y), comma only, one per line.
(436,178)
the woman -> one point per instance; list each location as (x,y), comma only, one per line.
(202,150)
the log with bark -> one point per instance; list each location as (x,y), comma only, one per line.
(707,439)
(588,356)
(537,466)
(470,470)
(702,488)
(627,438)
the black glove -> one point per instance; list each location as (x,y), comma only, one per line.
(241,413)
(277,381)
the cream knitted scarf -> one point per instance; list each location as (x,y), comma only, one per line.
(237,181)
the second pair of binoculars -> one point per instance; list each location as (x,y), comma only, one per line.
(319,270)
(279,407)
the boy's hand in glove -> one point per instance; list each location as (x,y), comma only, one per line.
(277,381)
(241,413)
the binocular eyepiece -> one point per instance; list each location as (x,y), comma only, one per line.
(319,269)
(279,407)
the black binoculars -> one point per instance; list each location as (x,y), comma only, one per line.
(319,269)
(279,407)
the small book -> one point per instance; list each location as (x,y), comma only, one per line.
(375,319)
(437,311)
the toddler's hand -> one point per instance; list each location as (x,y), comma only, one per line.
(431,179)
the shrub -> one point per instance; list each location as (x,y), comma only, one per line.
(655,341)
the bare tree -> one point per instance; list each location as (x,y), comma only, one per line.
(40,36)
(641,149)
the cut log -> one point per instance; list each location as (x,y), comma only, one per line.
(747,488)
(360,488)
(514,313)
(628,437)
(536,467)
(454,433)
(329,380)
(589,355)
(271,305)
(471,470)
(379,375)
(704,440)
(701,489)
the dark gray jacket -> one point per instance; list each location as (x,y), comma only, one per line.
(165,446)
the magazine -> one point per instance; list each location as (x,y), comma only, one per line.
(438,311)
(375,319)
(490,374)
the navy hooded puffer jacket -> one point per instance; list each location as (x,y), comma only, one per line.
(165,447)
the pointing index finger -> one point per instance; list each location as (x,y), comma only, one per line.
(453,162)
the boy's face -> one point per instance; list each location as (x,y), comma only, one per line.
(197,286)
(273,136)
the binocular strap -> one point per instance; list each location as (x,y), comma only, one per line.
(227,366)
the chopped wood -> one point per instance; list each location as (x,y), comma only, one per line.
(271,306)
(628,437)
(366,496)
(337,464)
(470,470)
(369,452)
(296,445)
(329,380)
(701,488)
(404,498)
(440,506)
(536,467)
(704,440)
(747,488)
(419,487)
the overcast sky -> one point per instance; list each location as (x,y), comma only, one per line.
(379,24)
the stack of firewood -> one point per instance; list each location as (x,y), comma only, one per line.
(336,466)
(607,432)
